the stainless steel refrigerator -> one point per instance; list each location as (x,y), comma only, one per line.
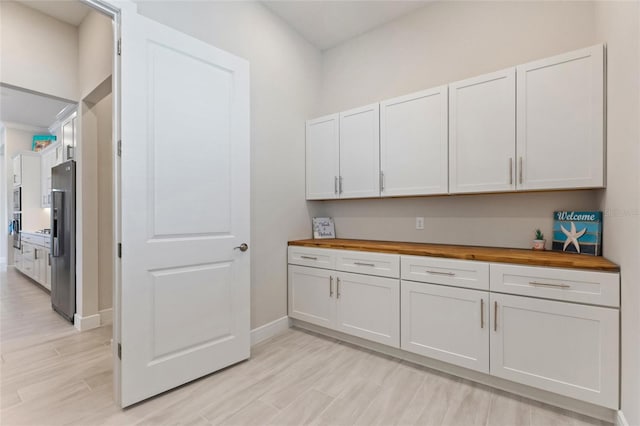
(63,239)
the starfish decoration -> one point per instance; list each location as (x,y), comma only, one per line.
(572,237)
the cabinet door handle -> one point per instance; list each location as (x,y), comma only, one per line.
(335,185)
(363,264)
(495,316)
(520,169)
(340,184)
(308,257)
(35,254)
(449,274)
(510,170)
(49,259)
(537,284)
(337,287)
(381,181)
(481,313)
(330,286)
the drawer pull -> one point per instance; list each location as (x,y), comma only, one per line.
(308,257)
(537,284)
(481,313)
(330,286)
(449,274)
(363,264)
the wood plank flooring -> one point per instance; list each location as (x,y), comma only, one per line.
(53,375)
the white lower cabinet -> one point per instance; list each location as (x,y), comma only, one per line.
(561,347)
(311,295)
(368,307)
(361,305)
(33,261)
(446,323)
(456,311)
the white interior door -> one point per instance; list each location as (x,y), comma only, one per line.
(184,308)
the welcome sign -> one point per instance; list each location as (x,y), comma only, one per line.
(578,232)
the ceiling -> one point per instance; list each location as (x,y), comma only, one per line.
(70,11)
(29,109)
(328,23)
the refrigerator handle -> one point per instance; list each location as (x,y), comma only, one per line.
(57,230)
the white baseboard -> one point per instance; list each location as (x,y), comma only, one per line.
(86,323)
(269,330)
(621,420)
(106,316)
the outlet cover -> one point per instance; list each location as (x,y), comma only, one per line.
(419,222)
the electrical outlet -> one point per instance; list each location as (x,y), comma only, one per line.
(419,222)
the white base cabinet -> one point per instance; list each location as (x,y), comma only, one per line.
(561,347)
(33,259)
(356,304)
(446,323)
(360,304)
(368,307)
(311,295)
(456,311)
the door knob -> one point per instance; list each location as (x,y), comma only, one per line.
(242,247)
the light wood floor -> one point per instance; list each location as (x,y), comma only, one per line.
(53,375)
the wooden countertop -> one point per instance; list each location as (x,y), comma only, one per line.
(486,254)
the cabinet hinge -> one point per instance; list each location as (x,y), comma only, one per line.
(120,250)
(119,351)
(119,148)
(119,46)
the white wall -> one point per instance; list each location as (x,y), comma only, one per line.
(284,88)
(95,52)
(39,53)
(617,23)
(104,114)
(441,43)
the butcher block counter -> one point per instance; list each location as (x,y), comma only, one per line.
(487,254)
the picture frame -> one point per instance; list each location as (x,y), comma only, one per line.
(323,228)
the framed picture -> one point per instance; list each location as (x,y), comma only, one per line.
(578,232)
(323,227)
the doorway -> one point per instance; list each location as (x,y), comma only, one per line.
(78,89)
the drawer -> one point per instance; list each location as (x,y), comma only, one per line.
(435,270)
(33,239)
(597,288)
(309,256)
(362,262)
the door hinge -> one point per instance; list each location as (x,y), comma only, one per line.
(119,46)
(120,250)
(119,148)
(119,351)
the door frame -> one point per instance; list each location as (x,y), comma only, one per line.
(113,10)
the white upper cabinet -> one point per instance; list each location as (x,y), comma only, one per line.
(322,158)
(17,170)
(360,152)
(560,121)
(68,136)
(413,144)
(482,133)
